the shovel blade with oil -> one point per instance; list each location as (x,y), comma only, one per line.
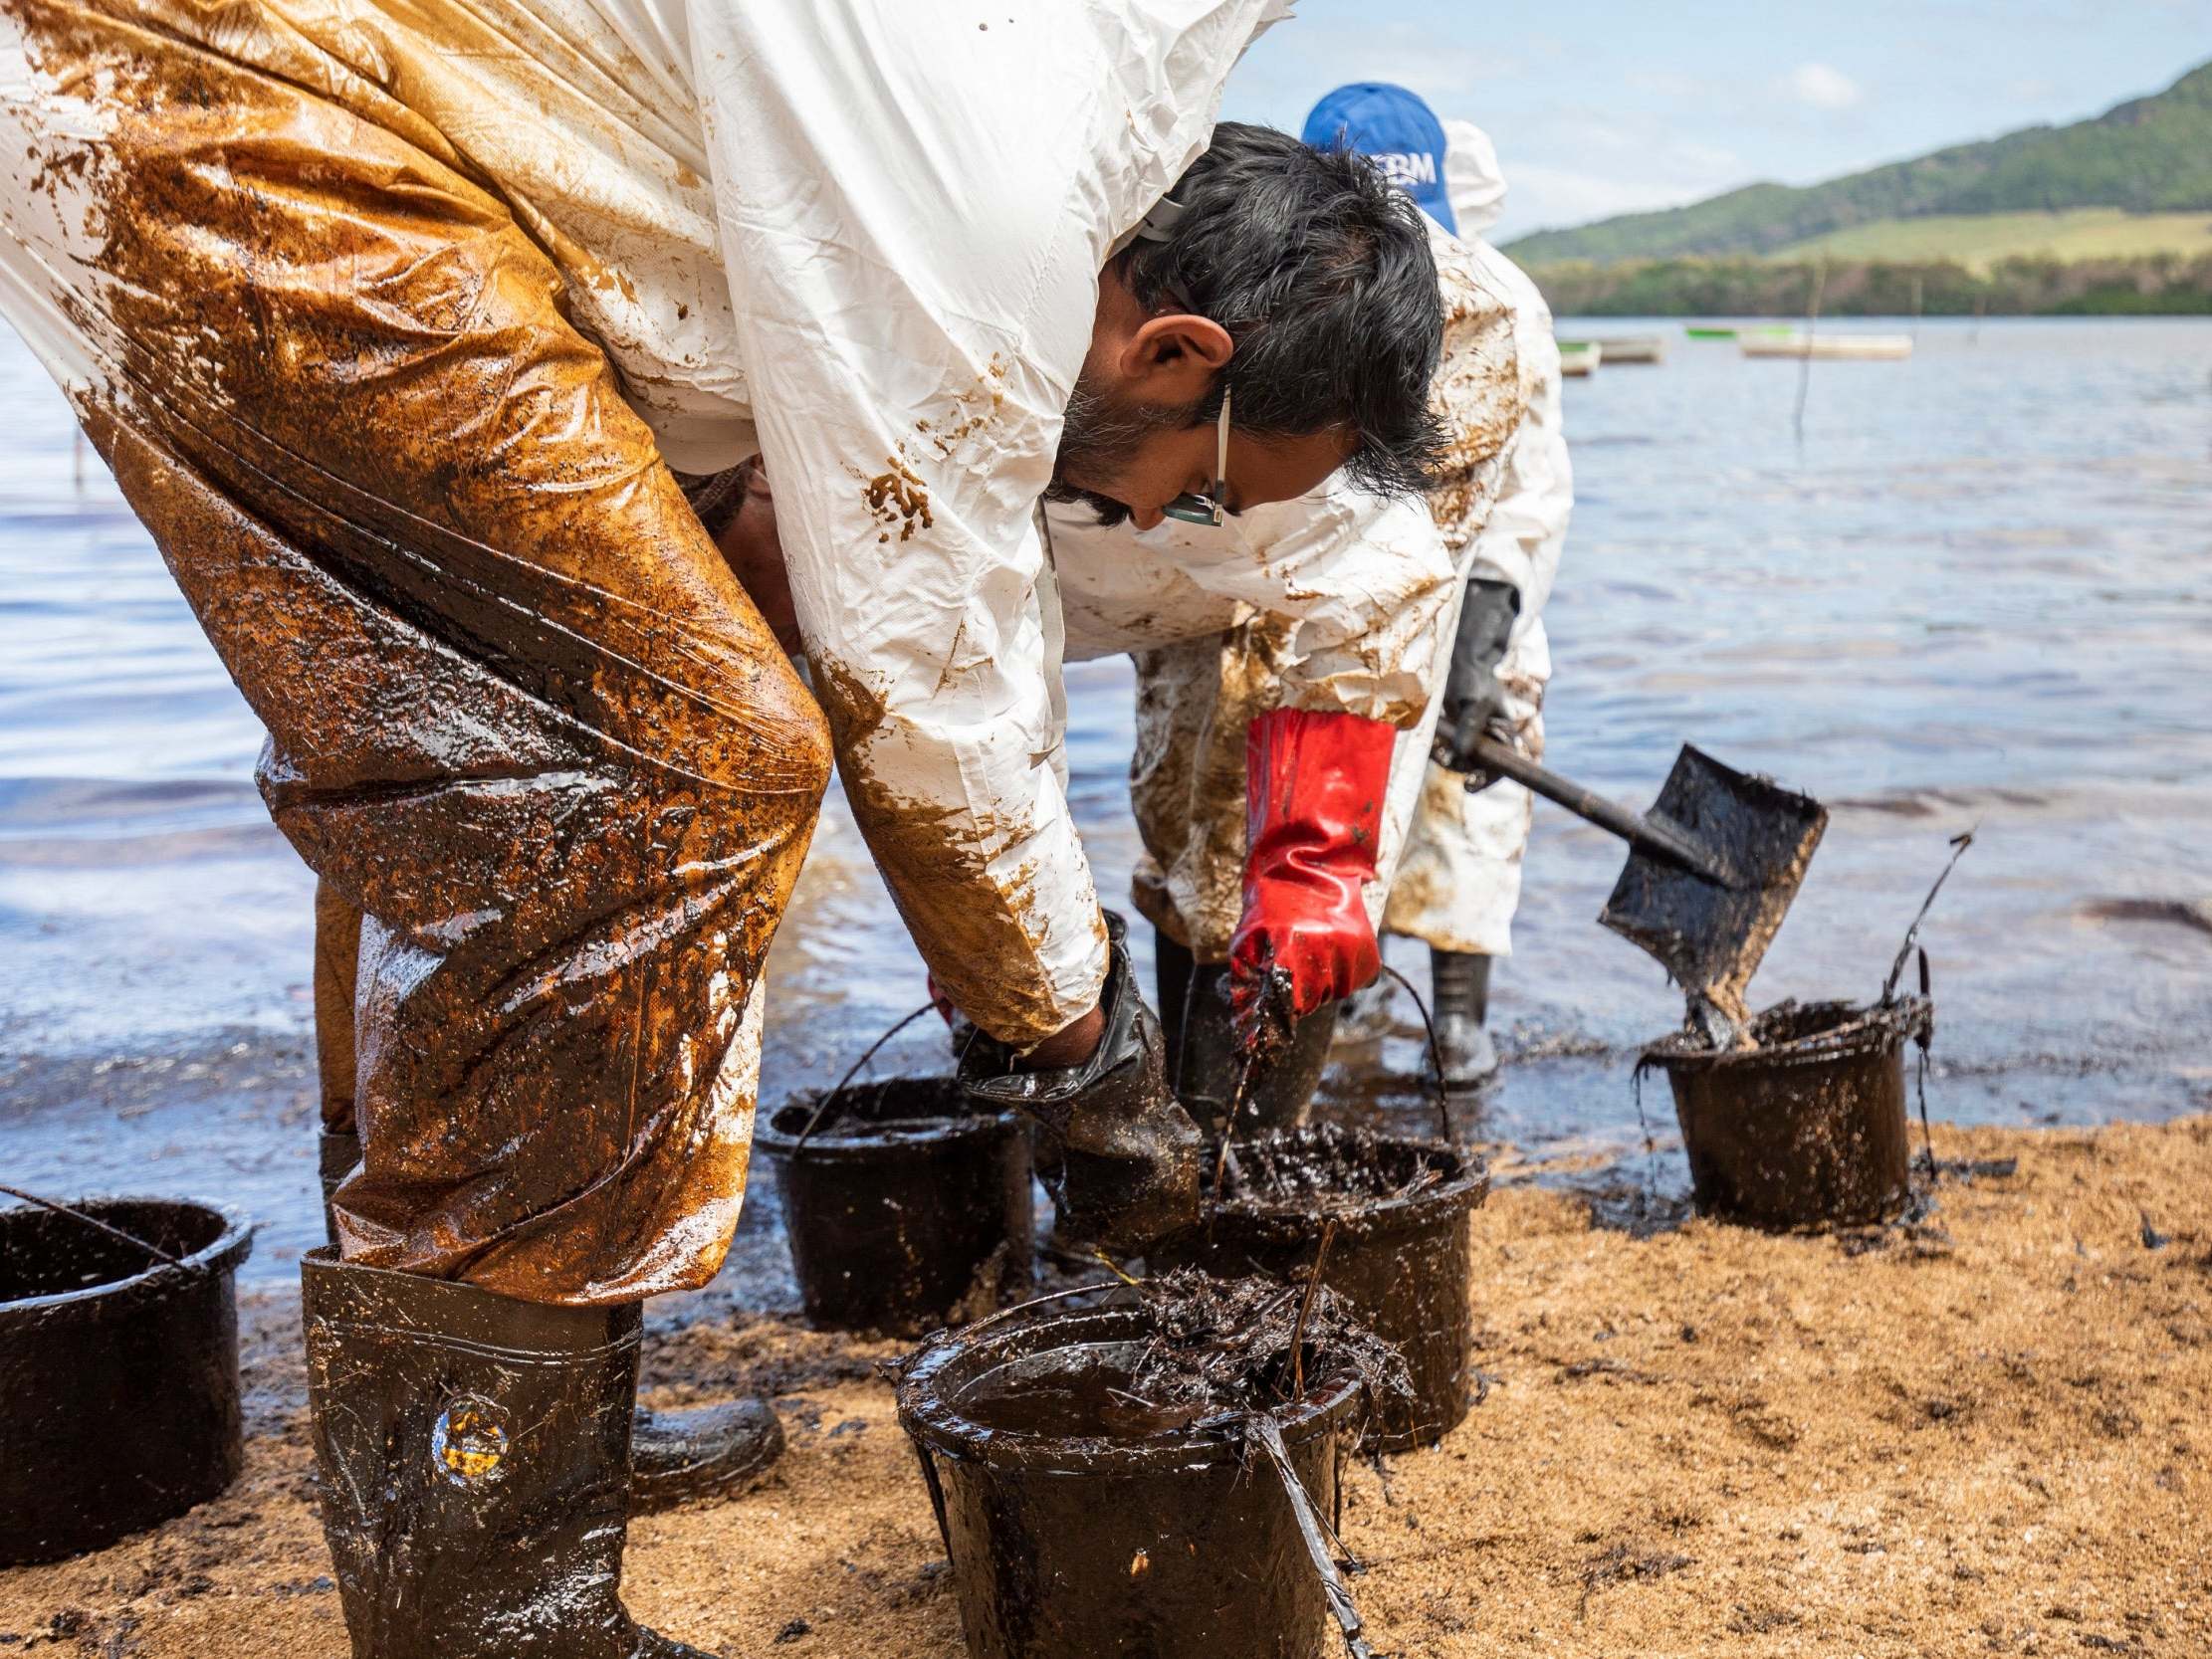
(1709,926)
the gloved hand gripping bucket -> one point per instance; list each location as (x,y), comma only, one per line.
(907,1208)
(1108,1541)
(118,1370)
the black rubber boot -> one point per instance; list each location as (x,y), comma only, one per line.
(1461,985)
(475,1458)
(700,1451)
(676,1457)
(1279,1092)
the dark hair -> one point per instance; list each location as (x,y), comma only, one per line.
(1320,271)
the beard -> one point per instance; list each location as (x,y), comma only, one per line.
(1099,436)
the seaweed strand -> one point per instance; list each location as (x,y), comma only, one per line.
(1305,1306)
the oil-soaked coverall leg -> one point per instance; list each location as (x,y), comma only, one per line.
(519,710)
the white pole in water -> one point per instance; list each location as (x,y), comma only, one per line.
(1805,368)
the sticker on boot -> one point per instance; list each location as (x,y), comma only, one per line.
(469,1443)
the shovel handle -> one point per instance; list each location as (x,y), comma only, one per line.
(1654,836)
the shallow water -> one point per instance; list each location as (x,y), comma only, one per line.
(1972,599)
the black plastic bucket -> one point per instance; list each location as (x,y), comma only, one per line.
(1399,1259)
(1807,1128)
(1175,1544)
(119,1373)
(905,1209)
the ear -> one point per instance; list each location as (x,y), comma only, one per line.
(1174,358)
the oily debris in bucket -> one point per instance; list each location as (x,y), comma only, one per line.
(1321,1171)
(1228,1348)
(1234,1348)
(1804,1028)
(1220,1352)
(1786,1023)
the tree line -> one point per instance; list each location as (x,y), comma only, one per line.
(2160,284)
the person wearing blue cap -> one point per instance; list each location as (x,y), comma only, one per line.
(1459,881)
(1453,838)
(1395,129)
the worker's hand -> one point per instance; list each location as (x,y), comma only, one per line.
(1313,805)
(1474,703)
(1129,1167)
(749,546)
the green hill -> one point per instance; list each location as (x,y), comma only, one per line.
(2150,156)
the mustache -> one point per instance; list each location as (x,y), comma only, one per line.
(1100,434)
(1110,512)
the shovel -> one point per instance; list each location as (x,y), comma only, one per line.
(1712,870)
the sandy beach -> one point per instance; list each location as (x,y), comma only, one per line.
(1981,1432)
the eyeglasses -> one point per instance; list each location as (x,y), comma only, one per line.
(1207,509)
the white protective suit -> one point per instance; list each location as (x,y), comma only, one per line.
(1459,878)
(862,239)
(1335,601)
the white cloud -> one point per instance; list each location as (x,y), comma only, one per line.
(1823,87)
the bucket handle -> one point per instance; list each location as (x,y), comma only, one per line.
(1435,1053)
(1959,844)
(1311,1528)
(937,1492)
(867,1054)
(60,1208)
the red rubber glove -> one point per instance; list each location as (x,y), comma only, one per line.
(1313,810)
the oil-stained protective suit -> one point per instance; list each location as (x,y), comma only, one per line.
(1460,878)
(1336,601)
(392,317)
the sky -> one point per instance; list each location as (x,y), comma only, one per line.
(1604,106)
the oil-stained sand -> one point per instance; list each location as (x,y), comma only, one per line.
(1984,1434)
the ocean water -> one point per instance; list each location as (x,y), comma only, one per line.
(1972,597)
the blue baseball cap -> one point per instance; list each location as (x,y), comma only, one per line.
(1397,130)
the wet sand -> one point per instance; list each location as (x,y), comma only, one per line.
(1981,1433)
